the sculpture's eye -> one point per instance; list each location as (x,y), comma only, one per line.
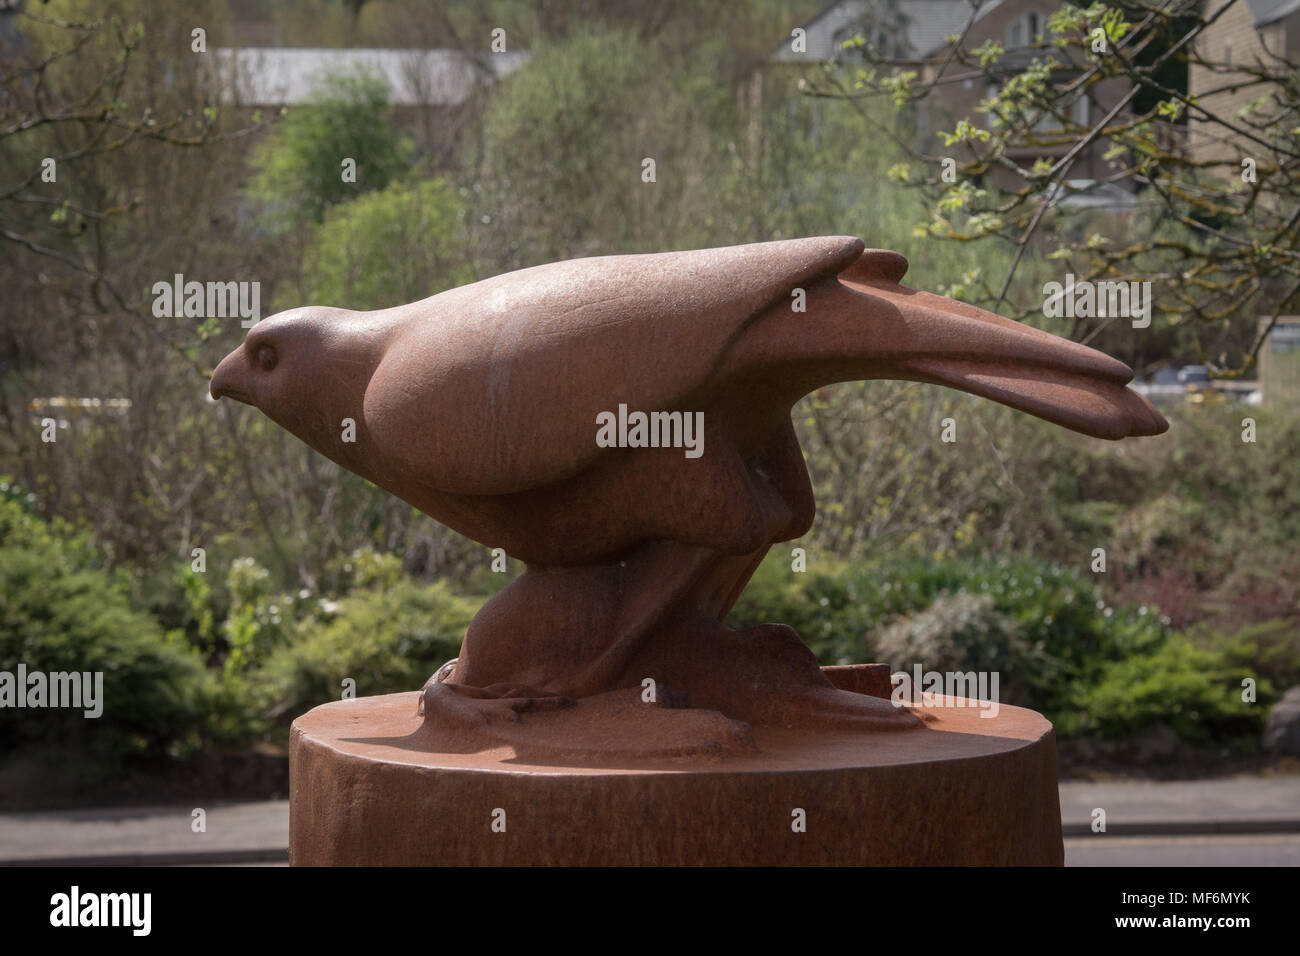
(266,358)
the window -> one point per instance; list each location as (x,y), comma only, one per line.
(1080,111)
(1022,30)
(883,40)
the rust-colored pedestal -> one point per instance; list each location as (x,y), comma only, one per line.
(960,790)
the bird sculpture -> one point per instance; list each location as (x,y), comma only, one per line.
(621,424)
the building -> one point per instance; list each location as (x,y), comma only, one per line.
(286,76)
(1249,32)
(918,32)
(1279,363)
(433,91)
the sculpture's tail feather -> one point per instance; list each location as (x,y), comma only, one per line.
(863,324)
(876,265)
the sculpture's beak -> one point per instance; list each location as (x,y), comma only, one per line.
(946,342)
(233,377)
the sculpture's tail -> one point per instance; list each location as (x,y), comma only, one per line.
(864,324)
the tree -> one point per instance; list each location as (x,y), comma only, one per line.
(605,143)
(342,144)
(1219,239)
(113,173)
(395,245)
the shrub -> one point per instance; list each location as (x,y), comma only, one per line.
(298,167)
(1269,651)
(814,603)
(1196,692)
(964,632)
(62,612)
(390,638)
(1044,628)
(258,620)
(388,247)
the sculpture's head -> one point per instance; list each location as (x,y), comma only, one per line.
(307,370)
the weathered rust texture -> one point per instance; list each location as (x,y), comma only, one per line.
(479,406)
(960,790)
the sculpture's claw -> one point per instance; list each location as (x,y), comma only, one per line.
(440,675)
(829,708)
(518,698)
(764,675)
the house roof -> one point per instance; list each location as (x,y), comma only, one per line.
(1267,11)
(285,76)
(926,25)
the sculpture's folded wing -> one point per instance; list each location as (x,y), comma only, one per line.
(495,387)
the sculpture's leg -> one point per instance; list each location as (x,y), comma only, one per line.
(544,668)
(559,634)
(573,631)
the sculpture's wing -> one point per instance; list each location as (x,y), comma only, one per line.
(865,324)
(496,387)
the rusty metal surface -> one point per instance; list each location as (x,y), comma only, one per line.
(962,790)
(481,406)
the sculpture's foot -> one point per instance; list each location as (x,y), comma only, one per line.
(618,726)
(764,675)
(829,708)
(516,697)
(695,692)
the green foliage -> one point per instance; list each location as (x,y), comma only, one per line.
(396,245)
(815,603)
(1221,515)
(366,569)
(389,638)
(63,613)
(1195,521)
(1045,628)
(1194,691)
(299,171)
(560,162)
(185,604)
(198,599)
(1095,669)
(1268,651)
(966,632)
(1101,97)
(559,140)
(259,620)
(22,527)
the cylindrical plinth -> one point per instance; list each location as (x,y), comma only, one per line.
(961,790)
